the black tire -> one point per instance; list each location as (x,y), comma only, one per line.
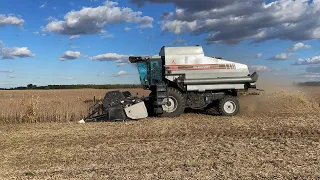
(178,98)
(233,104)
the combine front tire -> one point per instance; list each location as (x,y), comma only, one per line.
(229,106)
(175,104)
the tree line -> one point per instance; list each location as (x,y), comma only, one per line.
(78,86)
(315,83)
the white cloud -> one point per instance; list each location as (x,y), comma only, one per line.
(12,52)
(36,32)
(74,37)
(43,5)
(259,68)
(232,21)
(118,58)
(101,74)
(121,73)
(257,56)
(70,55)
(70,78)
(307,61)
(50,18)
(11,76)
(10,20)
(127,29)
(75,47)
(90,20)
(106,35)
(1,44)
(282,56)
(298,46)
(121,64)
(179,41)
(6,71)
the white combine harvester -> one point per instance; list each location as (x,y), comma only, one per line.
(180,78)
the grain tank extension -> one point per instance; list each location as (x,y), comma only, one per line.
(181,78)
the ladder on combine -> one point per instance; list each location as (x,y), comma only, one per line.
(160,96)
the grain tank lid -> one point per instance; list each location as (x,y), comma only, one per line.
(184,50)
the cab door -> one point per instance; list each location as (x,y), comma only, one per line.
(156,71)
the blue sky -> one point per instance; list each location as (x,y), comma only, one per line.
(89,41)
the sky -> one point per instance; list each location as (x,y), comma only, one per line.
(89,41)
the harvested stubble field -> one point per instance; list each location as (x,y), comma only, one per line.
(276,136)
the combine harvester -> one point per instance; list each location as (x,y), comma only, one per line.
(178,78)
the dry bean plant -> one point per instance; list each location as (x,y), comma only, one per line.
(34,106)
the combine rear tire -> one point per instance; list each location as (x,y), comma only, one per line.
(229,106)
(176,104)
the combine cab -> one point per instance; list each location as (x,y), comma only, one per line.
(183,77)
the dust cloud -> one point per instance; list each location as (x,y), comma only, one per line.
(280,96)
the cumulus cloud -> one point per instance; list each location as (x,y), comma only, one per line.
(121,64)
(298,46)
(179,41)
(90,20)
(120,73)
(118,58)
(74,37)
(106,35)
(10,20)
(307,61)
(232,21)
(1,44)
(50,18)
(127,29)
(257,56)
(12,52)
(259,68)
(282,56)
(43,5)
(44,35)
(70,55)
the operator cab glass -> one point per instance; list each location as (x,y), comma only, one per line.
(143,72)
(156,72)
(150,72)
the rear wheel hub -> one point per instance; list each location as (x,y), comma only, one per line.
(171,105)
(230,107)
